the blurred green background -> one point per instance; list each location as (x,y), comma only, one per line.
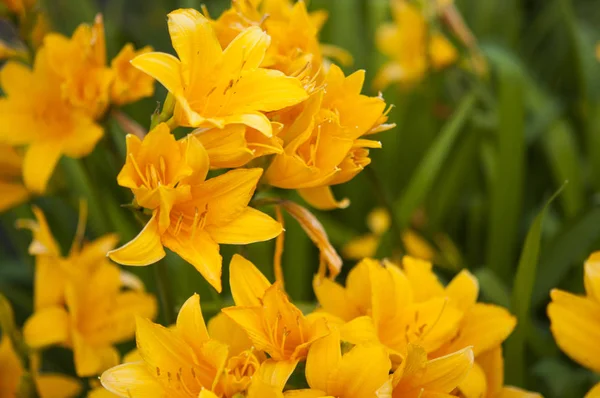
(470,165)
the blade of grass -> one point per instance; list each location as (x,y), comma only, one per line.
(435,159)
(524,282)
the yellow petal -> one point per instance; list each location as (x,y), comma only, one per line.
(514,392)
(255,120)
(361,247)
(144,249)
(593,393)
(422,278)
(12,195)
(306,394)
(334,299)
(575,324)
(190,323)
(163,67)
(132,380)
(251,320)
(57,386)
(39,163)
(246,51)
(46,327)
(249,227)
(85,135)
(322,198)
(12,368)
(592,278)
(475,384)
(361,372)
(276,373)
(13,77)
(359,330)
(248,284)
(463,290)
(49,282)
(323,358)
(91,360)
(201,251)
(207,394)
(492,364)
(196,44)
(225,330)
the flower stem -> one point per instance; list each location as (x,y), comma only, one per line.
(165,295)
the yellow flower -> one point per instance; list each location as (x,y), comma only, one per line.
(272,322)
(49,126)
(410,47)
(237,144)
(13,191)
(190,215)
(11,369)
(129,83)
(362,372)
(575,320)
(419,377)
(80,64)
(323,142)
(183,361)
(215,87)
(53,272)
(98,314)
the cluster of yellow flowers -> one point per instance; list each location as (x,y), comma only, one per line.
(259,96)
(73,88)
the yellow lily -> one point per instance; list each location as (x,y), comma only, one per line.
(185,361)
(129,84)
(575,320)
(80,64)
(190,215)
(272,322)
(48,126)
(53,272)
(410,47)
(13,190)
(419,377)
(362,372)
(215,87)
(97,315)
(322,139)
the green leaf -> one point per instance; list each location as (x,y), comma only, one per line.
(521,298)
(569,247)
(435,159)
(492,287)
(506,191)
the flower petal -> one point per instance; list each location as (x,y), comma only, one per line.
(334,299)
(47,326)
(251,320)
(323,358)
(57,386)
(39,163)
(322,198)
(12,195)
(248,284)
(248,227)
(190,323)
(463,290)
(163,67)
(132,380)
(144,249)
(91,360)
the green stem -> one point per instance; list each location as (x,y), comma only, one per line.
(166,114)
(165,295)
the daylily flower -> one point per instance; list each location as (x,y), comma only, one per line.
(575,320)
(215,87)
(98,314)
(13,190)
(410,47)
(419,377)
(129,84)
(48,126)
(53,272)
(190,215)
(362,372)
(272,322)
(80,64)
(323,142)
(185,361)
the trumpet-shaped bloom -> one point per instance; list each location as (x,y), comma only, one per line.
(575,320)
(419,377)
(323,142)
(190,215)
(185,361)
(48,126)
(272,322)
(215,87)
(129,84)
(53,272)
(410,47)
(97,315)
(362,372)
(13,190)
(80,64)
